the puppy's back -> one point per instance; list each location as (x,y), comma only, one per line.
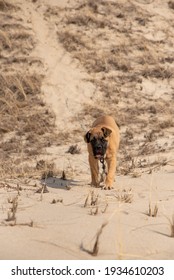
(107,121)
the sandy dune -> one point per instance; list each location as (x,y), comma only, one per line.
(135,220)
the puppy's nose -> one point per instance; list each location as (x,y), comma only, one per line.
(99,147)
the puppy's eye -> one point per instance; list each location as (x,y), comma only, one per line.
(93,139)
(103,139)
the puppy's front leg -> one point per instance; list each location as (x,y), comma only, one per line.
(111,164)
(94,168)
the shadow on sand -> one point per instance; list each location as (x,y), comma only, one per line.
(59,183)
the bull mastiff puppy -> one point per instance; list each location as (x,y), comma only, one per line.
(102,142)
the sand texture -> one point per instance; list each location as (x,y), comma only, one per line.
(63,64)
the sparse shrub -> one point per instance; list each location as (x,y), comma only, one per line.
(125,196)
(74,149)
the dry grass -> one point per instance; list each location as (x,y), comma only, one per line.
(43,189)
(109,39)
(171,223)
(172,227)
(5,41)
(153,211)
(74,149)
(95,249)
(46,169)
(95,203)
(63,176)
(6,6)
(171,4)
(12,211)
(11,215)
(125,196)
(91,199)
(59,200)
(26,124)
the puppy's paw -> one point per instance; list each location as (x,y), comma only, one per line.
(105,187)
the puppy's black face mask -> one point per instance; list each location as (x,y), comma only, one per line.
(98,141)
(99,146)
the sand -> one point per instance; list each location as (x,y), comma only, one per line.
(137,216)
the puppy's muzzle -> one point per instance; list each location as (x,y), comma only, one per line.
(98,153)
(99,149)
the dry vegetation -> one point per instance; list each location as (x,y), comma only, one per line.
(26,124)
(125,196)
(153,211)
(94,251)
(109,39)
(171,222)
(96,203)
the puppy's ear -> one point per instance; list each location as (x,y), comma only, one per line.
(106,131)
(87,137)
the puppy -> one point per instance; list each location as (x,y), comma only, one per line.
(103,142)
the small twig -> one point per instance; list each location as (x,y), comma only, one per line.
(94,251)
(154,212)
(63,177)
(86,200)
